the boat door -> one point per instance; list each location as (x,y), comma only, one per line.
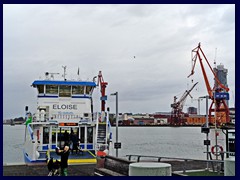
(86,137)
(49,137)
(65,135)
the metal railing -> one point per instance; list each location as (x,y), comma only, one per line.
(141,158)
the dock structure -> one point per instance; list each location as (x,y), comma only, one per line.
(113,166)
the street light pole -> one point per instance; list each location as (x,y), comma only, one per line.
(117,122)
(199,99)
(207,126)
(198,106)
(116,94)
(207,138)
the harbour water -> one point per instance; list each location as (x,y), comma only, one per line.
(178,142)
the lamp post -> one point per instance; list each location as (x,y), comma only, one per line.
(207,97)
(207,142)
(199,99)
(116,144)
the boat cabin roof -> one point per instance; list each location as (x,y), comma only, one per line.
(68,83)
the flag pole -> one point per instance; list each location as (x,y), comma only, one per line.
(26,109)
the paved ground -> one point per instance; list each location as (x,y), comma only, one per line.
(42,170)
(87,169)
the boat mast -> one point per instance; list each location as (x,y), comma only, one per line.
(64,72)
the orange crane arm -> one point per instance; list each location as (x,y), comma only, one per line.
(215,76)
(197,50)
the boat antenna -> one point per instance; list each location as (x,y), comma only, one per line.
(64,72)
(215,57)
(215,65)
(51,75)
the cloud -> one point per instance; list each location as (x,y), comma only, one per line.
(43,38)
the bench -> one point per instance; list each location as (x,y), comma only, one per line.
(111,166)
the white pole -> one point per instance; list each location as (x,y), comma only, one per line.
(117,122)
(207,127)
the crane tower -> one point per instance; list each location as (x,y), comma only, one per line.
(218,94)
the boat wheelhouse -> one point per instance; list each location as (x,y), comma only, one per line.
(65,112)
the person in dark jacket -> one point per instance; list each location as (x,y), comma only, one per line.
(66,137)
(64,159)
(74,140)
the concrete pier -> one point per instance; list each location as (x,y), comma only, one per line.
(110,166)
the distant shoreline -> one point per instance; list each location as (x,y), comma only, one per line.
(9,124)
(162,125)
(6,124)
(165,125)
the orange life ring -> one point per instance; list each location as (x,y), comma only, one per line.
(101,153)
(218,152)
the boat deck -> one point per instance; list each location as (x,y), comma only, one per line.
(81,157)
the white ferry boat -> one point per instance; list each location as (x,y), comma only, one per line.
(65,110)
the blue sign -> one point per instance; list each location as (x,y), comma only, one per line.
(221,95)
(84,121)
(103,98)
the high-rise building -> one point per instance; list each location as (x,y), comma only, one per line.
(221,73)
(192,110)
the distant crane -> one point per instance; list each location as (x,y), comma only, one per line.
(216,94)
(177,107)
(103,86)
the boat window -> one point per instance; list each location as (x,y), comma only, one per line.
(40,89)
(45,135)
(82,133)
(89,89)
(64,91)
(77,90)
(54,131)
(51,89)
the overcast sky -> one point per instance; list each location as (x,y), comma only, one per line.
(43,38)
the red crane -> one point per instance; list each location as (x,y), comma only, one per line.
(103,86)
(216,94)
(177,107)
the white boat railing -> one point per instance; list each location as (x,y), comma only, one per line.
(96,135)
(44,117)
